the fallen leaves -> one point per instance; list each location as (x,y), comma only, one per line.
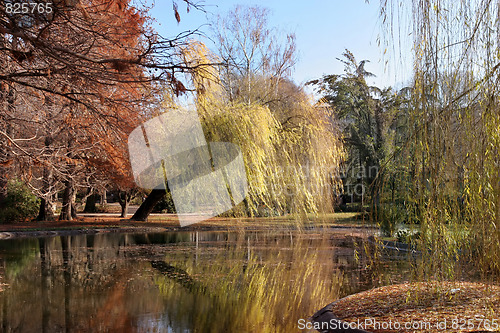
(429,306)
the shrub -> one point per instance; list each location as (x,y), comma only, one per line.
(407,235)
(19,204)
(389,217)
(166,205)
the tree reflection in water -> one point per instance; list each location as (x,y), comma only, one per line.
(184,281)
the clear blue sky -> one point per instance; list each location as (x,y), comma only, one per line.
(324,29)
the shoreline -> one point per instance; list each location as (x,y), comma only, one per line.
(98,224)
(432,306)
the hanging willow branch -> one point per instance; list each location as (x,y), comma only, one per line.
(451,156)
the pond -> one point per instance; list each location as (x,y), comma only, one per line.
(191,281)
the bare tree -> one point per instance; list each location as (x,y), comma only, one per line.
(249,49)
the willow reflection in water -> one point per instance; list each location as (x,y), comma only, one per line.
(178,282)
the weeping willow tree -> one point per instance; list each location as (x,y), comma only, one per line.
(291,151)
(451,157)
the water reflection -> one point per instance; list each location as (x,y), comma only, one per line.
(179,282)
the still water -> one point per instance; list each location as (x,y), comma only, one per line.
(199,281)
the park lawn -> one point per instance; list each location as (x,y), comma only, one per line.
(103,221)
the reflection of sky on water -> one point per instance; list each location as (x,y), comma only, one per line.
(156,323)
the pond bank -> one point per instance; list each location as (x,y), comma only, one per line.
(418,307)
(104,223)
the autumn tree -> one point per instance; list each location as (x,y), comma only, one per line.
(87,64)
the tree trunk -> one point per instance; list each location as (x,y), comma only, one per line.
(90,203)
(124,198)
(124,206)
(147,206)
(67,211)
(45,213)
(73,206)
(104,199)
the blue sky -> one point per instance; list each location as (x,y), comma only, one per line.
(324,29)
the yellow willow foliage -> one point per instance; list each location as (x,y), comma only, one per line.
(452,156)
(272,297)
(483,191)
(201,62)
(290,169)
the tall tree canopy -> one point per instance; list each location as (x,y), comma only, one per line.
(75,79)
(291,148)
(367,115)
(249,49)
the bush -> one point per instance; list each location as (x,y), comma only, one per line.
(389,217)
(19,204)
(407,235)
(166,205)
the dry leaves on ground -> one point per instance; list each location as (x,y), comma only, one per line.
(424,307)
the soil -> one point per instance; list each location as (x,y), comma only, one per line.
(424,307)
